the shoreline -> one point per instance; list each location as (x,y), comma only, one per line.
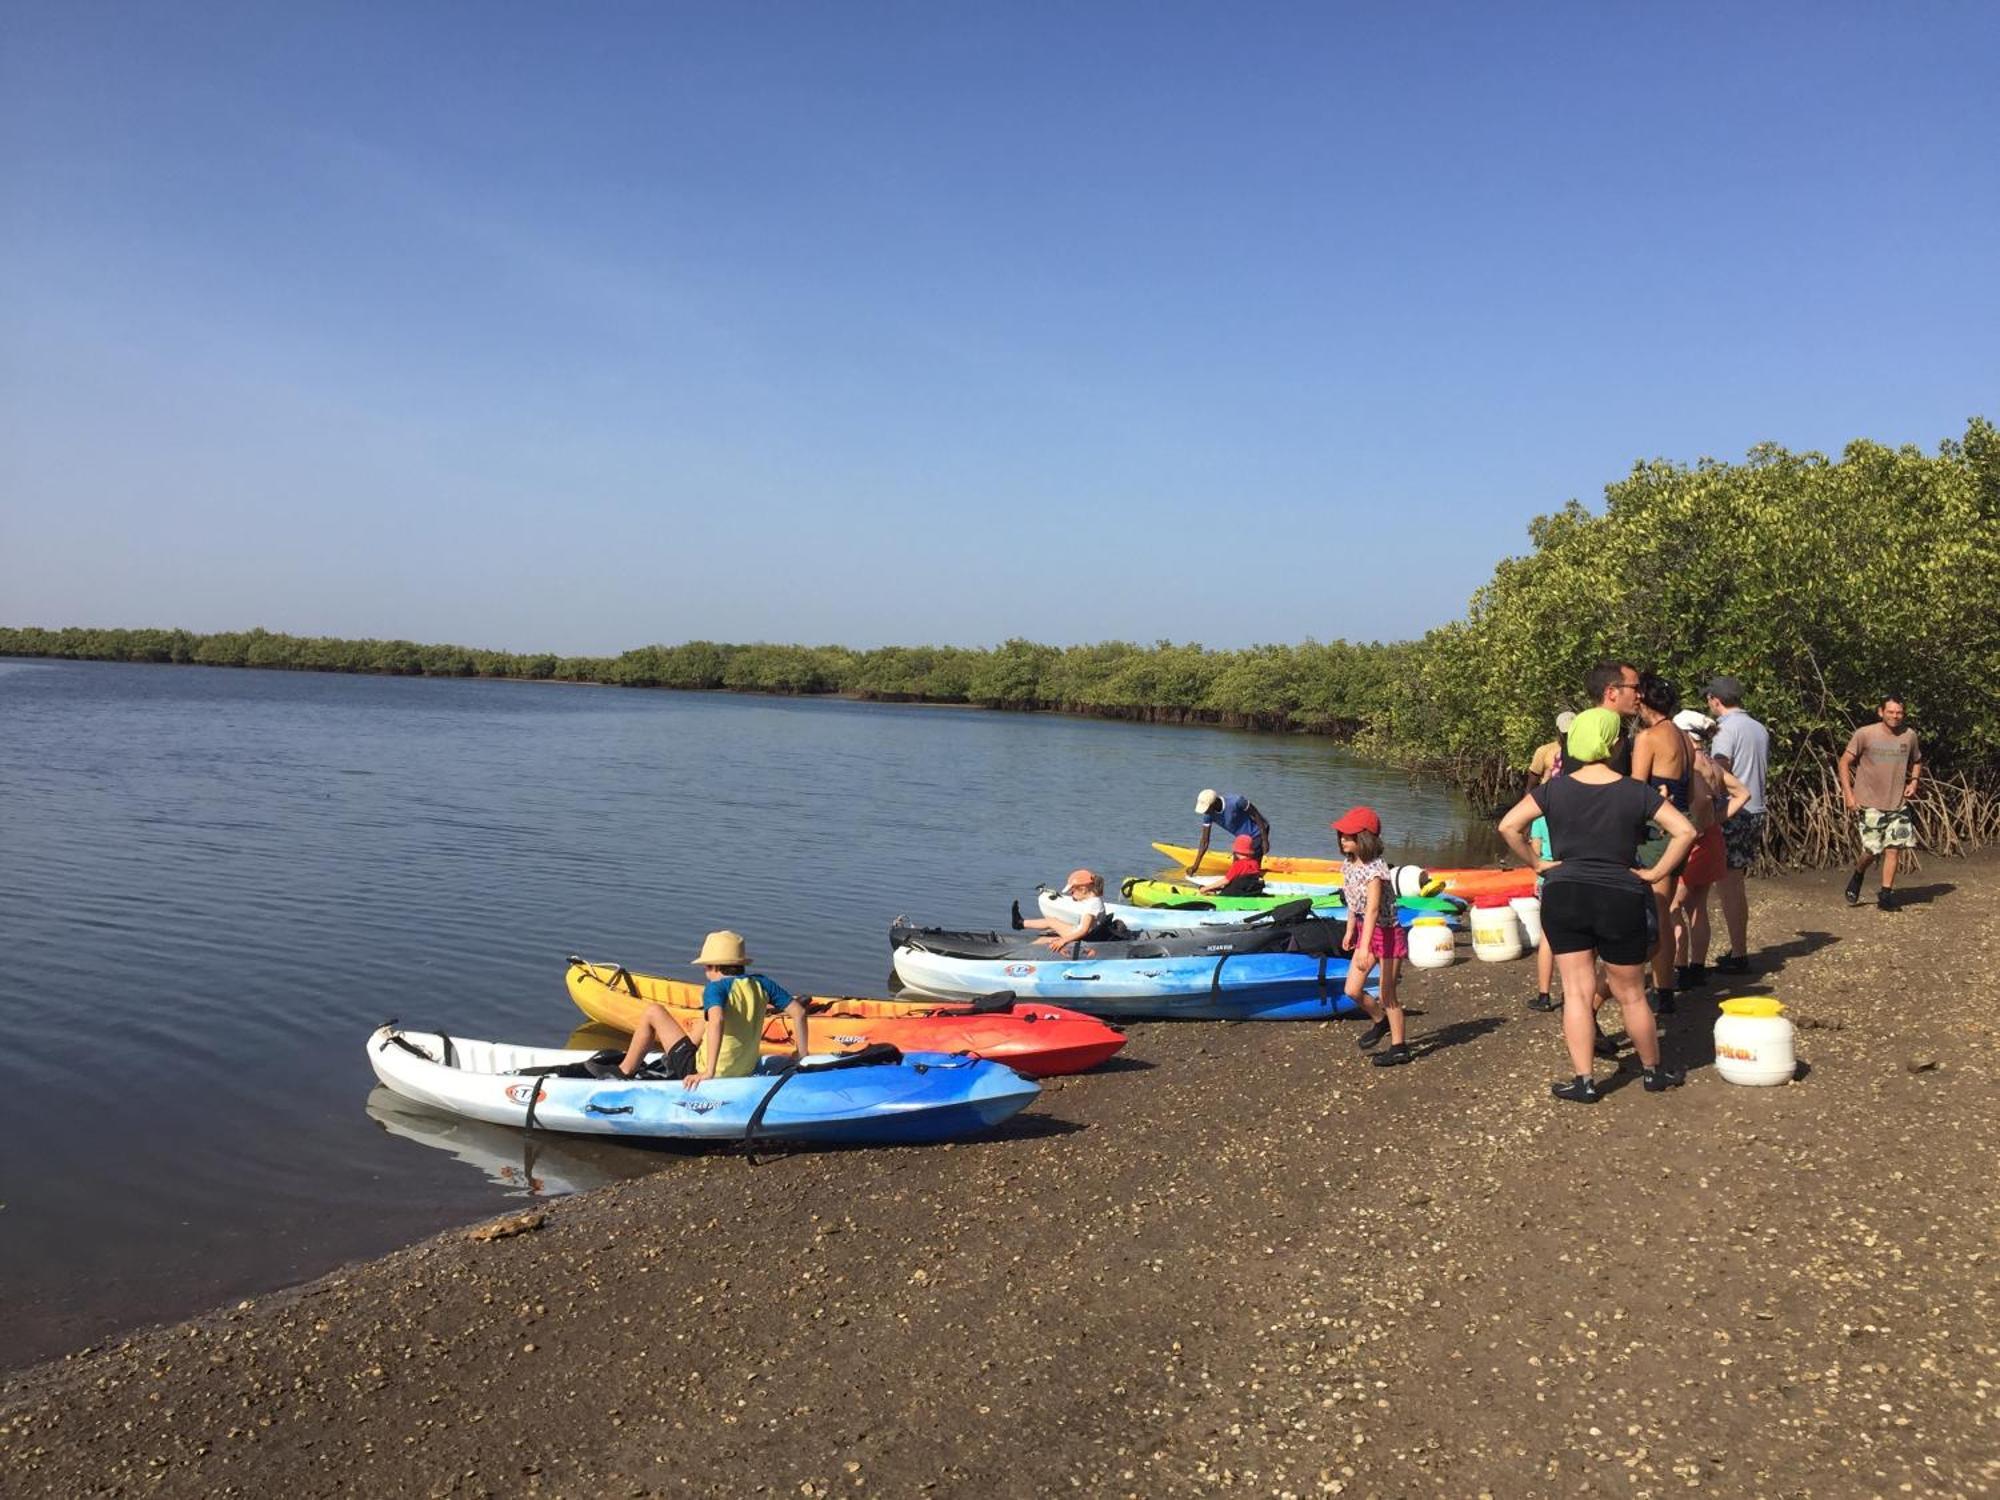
(1241,1253)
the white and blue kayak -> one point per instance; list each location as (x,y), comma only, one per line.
(827,1100)
(1150,919)
(1201,987)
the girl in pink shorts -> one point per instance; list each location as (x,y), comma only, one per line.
(1373,934)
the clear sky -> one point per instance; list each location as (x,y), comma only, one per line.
(583,326)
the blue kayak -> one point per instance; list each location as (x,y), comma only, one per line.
(827,1100)
(1205,987)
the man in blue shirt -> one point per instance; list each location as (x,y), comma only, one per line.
(1236,815)
(1742,747)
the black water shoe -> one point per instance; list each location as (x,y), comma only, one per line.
(1732,963)
(1663,1002)
(1852,895)
(1660,1078)
(1581,1089)
(1603,1046)
(1372,1036)
(1886,899)
(1393,1057)
(1018,923)
(1543,1002)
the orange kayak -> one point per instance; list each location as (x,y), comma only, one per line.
(1029,1037)
(1467,884)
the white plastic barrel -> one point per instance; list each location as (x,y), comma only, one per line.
(1496,934)
(1410,880)
(1433,945)
(1529,910)
(1754,1043)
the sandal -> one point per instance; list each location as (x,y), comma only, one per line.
(1581,1089)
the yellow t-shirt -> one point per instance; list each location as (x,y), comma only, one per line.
(744,1000)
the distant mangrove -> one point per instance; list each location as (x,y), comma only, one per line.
(1820,583)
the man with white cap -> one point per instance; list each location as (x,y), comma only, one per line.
(1236,815)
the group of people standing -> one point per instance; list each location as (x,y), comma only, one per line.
(1635,814)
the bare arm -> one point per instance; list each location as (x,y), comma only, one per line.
(1847,760)
(1263,827)
(1514,831)
(1194,866)
(1737,792)
(711,1047)
(797,1013)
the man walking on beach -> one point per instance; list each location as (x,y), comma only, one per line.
(1878,774)
(1741,746)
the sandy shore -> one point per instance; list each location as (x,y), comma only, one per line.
(1241,1260)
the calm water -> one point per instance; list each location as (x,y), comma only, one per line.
(214,883)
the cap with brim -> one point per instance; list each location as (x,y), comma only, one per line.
(1593,734)
(1564,720)
(1208,801)
(1081,877)
(1694,721)
(1728,689)
(720,949)
(1244,844)
(1357,820)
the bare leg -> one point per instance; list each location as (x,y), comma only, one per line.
(1736,912)
(1694,912)
(1663,950)
(1358,968)
(1390,1004)
(1579,977)
(1545,966)
(657,1032)
(1628,983)
(1889,868)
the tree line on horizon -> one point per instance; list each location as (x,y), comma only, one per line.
(1821,583)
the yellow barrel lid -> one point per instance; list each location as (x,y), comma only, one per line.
(1753,1005)
(1430,921)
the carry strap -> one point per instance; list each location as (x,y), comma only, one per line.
(876,1054)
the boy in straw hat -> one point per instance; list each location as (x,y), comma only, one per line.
(734,1004)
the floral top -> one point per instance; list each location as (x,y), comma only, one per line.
(1355,879)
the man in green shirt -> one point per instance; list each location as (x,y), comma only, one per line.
(1878,775)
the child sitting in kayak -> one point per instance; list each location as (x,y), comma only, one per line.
(1373,933)
(1245,875)
(1085,889)
(734,1004)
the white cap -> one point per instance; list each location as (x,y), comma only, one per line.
(1564,720)
(1694,721)
(1208,800)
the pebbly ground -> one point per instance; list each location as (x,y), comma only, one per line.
(1240,1260)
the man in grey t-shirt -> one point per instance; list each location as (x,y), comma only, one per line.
(1741,746)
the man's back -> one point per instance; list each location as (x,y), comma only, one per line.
(1746,746)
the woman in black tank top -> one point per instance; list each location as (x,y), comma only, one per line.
(1594,898)
(1663,758)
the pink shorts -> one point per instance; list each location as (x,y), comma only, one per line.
(1391,941)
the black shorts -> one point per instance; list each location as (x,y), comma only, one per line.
(1614,923)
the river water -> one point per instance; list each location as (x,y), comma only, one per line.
(214,883)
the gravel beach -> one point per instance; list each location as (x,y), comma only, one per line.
(1238,1259)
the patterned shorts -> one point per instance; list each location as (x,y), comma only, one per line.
(1742,835)
(1887,830)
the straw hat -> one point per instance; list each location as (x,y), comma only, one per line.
(721,948)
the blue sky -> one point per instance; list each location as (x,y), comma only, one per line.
(578,327)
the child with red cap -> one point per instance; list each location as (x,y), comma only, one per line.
(1245,876)
(1372,932)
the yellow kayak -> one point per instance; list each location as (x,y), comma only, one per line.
(1300,870)
(1293,866)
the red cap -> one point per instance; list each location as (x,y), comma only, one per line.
(1357,820)
(1244,843)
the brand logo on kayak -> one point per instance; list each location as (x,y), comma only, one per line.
(521,1093)
(699,1106)
(1017,971)
(850,1041)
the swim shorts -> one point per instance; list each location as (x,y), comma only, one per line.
(1881,830)
(1391,940)
(1707,862)
(1741,836)
(1617,923)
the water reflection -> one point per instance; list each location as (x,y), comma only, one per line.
(521,1163)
